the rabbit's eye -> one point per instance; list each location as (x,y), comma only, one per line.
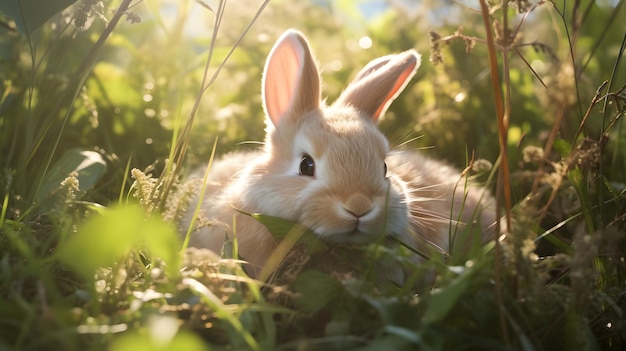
(307,166)
(385,174)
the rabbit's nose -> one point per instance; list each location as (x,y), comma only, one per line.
(357,215)
(358,205)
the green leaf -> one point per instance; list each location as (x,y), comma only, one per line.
(87,166)
(32,14)
(105,239)
(280,228)
(441,301)
(563,147)
(316,290)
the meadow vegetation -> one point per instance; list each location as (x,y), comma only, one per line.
(106,106)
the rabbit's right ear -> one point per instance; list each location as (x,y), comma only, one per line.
(291,82)
(380,82)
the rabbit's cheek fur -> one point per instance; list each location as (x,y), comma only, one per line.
(274,195)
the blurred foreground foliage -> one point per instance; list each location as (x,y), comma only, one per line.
(103,87)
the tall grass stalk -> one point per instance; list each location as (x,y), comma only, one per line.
(181,142)
(198,205)
(503,182)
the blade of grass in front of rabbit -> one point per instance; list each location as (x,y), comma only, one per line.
(230,249)
(200,198)
(281,251)
(452,233)
(124,181)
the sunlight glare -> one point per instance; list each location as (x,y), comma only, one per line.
(365,42)
(459,97)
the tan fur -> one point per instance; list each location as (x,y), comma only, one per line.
(350,199)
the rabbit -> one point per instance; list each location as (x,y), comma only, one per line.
(330,168)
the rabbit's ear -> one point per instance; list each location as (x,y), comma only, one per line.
(379,82)
(291,82)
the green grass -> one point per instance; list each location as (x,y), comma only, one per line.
(99,125)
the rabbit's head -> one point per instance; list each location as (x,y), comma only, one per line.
(324,166)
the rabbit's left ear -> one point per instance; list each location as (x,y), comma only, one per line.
(291,82)
(380,82)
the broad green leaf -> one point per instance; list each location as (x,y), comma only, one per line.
(32,14)
(105,239)
(87,166)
